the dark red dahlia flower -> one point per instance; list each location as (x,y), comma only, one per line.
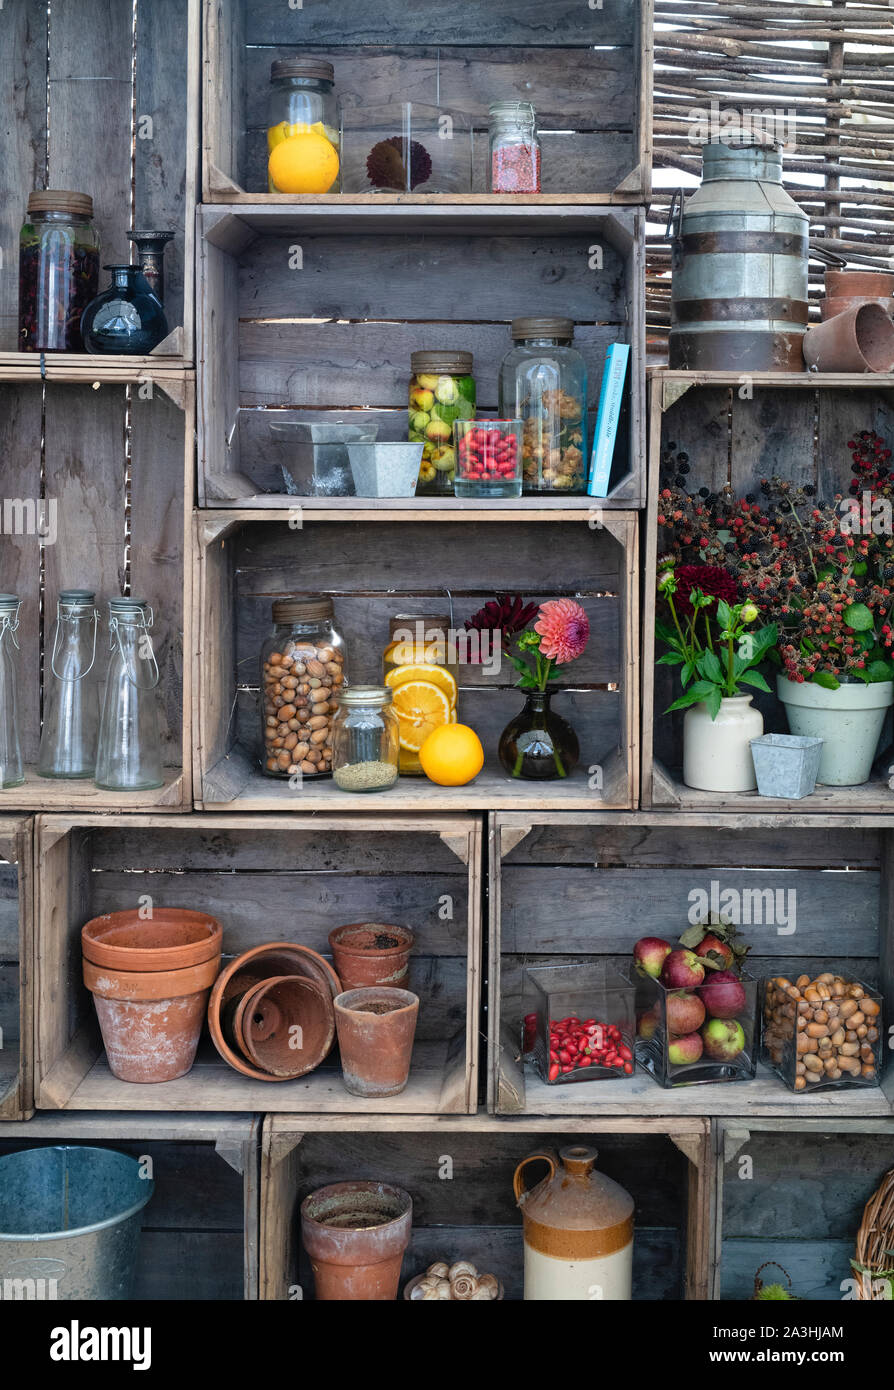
(711,579)
(507,614)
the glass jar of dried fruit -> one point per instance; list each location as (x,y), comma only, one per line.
(543,380)
(514,165)
(58,270)
(302,672)
(442,391)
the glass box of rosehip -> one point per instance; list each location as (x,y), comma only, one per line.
(695,1024)
(582,1023)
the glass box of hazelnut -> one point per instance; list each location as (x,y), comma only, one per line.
(302,672)
(823,1032)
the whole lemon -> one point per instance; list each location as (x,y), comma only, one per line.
(452,755)
(304,163)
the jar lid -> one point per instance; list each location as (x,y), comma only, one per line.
(8,602)
(522,111)
(356,696)
(541,327)
(77,598)
(447,360)
(302,610)
(402,623)
(302,67)
(60,200)
(127,605)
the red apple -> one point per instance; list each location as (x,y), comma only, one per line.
(685,1013)
(647,1022)
(682,970)
(723,994)
(712,944)
(682,1051)
(649,955)
(724,1039)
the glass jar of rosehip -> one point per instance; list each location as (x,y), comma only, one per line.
(488,458)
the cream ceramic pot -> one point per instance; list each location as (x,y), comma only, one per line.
(578,1230)
(716,752)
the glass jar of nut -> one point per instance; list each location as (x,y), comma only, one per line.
(302,672)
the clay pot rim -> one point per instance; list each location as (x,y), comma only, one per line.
(847,322)
(225,977)
(207,943)
(303,982)
(338,941)
(148,986)
(348,1002)
(349,1189)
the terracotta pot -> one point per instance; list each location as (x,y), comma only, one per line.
(285,1025)
(859,340)
(376,1027)
(150,1020)
(244,972)
(355,1234)
(363,956)
(862,284)
(171,939)
(829,307)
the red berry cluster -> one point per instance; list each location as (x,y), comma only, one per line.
(871,457)
(488,454)
(574,1044)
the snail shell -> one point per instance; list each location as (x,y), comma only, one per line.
(429,1281)
(430,1294)
(417,1293)
(439,1270)
(444,1290)
(464,1286)
(482,1295)
(461,1267)
(490,1283)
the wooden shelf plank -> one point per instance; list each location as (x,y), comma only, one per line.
(50,794)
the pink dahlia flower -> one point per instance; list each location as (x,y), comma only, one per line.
(564,629)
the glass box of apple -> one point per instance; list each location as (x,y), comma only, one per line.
(581,1024)
(696,1025)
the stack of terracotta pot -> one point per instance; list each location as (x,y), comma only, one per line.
(375,1015)
(150,978)
(856,333)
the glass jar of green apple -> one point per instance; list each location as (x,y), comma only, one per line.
(442,391)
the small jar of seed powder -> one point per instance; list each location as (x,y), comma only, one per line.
(365,740)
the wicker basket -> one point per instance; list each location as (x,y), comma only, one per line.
(874,1256)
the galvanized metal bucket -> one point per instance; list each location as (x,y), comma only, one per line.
(786,765)
(70,1223)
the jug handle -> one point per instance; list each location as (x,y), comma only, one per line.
(518,1185)
(819,253)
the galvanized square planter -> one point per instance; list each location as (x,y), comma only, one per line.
(786,765)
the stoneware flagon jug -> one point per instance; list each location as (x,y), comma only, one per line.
(578,1230)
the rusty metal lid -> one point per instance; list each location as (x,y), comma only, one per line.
(403,624)
(60,200)
(450,361)
(541,326)
(302,67)
(303,610)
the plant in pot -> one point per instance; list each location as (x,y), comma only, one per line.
(537,744)
(718,651)
(823,572)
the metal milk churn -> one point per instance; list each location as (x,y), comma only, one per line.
(578,1229)
(739,260)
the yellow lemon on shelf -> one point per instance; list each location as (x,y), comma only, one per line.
(303,163)
(420,706)
(423,672)
(452,755)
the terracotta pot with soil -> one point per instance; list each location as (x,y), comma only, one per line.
(243,974)
(285,1025)
(355,1234)
(371,953)
(376,1027)
(150,1020)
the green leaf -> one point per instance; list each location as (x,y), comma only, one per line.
(878,671)
(694,696)
(687,673)
(859,567)
(666,634)
(858,616)
(709,666)
(670,659)
(754,645)
(714,700)
(826,680)
(724,615)
(756,679)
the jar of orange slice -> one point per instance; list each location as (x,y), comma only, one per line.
(423,681)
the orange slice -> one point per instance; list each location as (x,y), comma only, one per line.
(421,707)
(437,675)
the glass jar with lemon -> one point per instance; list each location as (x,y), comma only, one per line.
(423,681)
(302,128)
(442,391)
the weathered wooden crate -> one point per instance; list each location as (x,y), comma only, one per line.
(265,879)
(16,986)
(459,1175)
(384,564)
(102,96)
(794,1194)
(312,314)
(579,888)
(738,429)
(587,69)
(98,490)
(200,1229)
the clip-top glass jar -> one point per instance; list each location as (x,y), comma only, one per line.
(442,391)
(365,740)
(422,672)
(58,270)
(514,165)
(68,736)
(543,379)
(128,753)
(302,128)
(12,773)
(302,673)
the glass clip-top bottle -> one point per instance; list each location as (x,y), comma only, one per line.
(128,755)
(12,773)
(71,703)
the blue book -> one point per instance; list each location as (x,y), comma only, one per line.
(611,399)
